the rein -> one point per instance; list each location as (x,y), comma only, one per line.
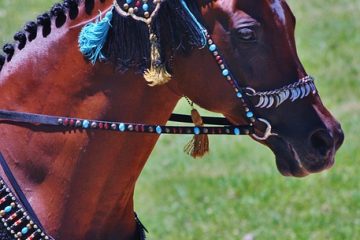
(13,117)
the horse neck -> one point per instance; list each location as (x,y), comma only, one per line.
(79,183)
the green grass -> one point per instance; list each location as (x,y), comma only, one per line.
(237,190)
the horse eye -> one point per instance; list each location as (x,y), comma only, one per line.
(246,34)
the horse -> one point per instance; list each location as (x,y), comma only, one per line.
(80,183)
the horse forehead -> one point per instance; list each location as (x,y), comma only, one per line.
(258,8)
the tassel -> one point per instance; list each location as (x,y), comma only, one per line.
(199,144)
(157,74)
(93,37)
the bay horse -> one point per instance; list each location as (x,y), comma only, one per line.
(81,183)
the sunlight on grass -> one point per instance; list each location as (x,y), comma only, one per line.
(236,190)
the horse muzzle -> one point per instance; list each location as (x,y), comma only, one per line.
(299,159)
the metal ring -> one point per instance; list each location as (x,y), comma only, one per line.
(267,132)
(250,91)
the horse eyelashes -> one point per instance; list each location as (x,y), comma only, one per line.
(291,92)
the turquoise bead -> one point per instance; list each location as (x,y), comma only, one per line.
(239,95)
(25,230)
(197,131)
(122,127)
(225,72)
(158,130)
(237,131)
(86,124)
(250,114)
(8,209)
(212,47)
(145,7)
(129,1)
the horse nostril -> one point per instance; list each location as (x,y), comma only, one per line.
(322,141)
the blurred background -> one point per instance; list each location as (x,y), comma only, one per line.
(236,192)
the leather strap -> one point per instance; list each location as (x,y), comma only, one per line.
(53,120)
(220,121)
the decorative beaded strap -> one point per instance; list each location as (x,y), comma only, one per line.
(78,123)
(140,10)
(250,116)
(15,219)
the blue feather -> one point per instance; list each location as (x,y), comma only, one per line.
(93,37)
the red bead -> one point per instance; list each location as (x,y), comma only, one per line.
(220,62)
(138,4)
(12,217)
(66,122)
(31,237)
(218,58)
(106,126)
(101,125)
(2,200)
(72,122)
(136,128)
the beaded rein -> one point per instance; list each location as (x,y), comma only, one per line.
(122,127)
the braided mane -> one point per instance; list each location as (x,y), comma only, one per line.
(30,31)
(124,56)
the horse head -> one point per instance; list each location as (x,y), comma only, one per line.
(257,42)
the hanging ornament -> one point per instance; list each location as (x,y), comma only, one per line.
(199,144)
(145,11)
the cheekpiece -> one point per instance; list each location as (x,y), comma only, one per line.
(140,10)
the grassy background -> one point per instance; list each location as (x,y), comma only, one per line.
(236,192)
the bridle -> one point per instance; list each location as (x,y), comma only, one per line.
(218,126)
(221,126)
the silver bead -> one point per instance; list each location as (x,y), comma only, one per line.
(78,123)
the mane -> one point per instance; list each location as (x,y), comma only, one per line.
(126,46)
(60,12)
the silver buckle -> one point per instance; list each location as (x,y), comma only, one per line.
(267,132)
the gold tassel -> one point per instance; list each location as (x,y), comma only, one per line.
(157,74)
(199,144)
